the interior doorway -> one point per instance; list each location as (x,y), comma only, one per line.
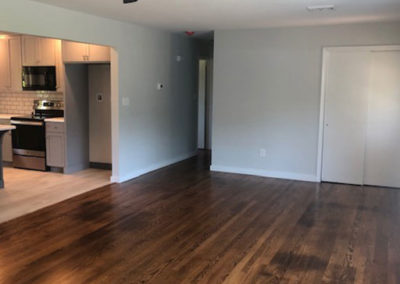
(62,98)
(205,101)
(361,116)
(88,116)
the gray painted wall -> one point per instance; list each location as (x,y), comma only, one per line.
(267,95)
(158,127)
(99,113)
(76,117)
(201,109)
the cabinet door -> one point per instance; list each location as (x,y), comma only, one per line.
(98,53)
(16,63)
(30,52)
(7,147)
(5,77)
(55,149)
(75,51)
(59,67)
(47,51)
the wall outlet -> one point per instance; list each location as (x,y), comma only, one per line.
(263,153)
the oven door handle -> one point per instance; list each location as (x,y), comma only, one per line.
(30,123)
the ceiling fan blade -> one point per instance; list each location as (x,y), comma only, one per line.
(129,1)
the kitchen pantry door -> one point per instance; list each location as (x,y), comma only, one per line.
(346,97)
(382,155)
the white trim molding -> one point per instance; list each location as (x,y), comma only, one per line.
(265,173)
(140,172)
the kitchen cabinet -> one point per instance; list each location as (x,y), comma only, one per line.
(7,147)
(37,51)
(16,63)
(5,66)
(59,67)
(75,52)
(7,143)
(55,144)
(98,53)
(10,67)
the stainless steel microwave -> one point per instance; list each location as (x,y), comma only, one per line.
(39,78)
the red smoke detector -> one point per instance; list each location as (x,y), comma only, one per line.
(189,33)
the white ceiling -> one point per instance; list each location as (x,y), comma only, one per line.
(204,15)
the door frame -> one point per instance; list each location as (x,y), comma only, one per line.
(324,74)
(208,114)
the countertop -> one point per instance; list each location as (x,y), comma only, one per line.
(8,115)
(4,127)
(55,119)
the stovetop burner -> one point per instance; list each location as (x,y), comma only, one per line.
(43,109)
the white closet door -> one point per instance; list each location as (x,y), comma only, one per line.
(382,162)
(346,100)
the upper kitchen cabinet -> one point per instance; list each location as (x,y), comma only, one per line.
(99,53)
(5,66)
(37,51)
(10,67)
(75,52)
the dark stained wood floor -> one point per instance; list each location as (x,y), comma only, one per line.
(183,224)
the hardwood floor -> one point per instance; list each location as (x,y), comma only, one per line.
(27,191)
(183,224)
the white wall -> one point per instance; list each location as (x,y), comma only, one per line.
(158,127)
(267,95)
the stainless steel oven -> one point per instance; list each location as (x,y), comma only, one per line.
(39,78)
(29,143)
(29,137)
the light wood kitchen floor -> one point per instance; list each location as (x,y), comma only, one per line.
(27,191)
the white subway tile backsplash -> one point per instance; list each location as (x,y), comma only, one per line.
(22,102)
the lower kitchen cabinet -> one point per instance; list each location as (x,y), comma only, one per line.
(7,148)
(55,144)
(7,143)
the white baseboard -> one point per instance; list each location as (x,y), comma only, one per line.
(264,173)
(138,173)
(114,179)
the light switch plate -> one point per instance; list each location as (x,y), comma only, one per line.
(126,101)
